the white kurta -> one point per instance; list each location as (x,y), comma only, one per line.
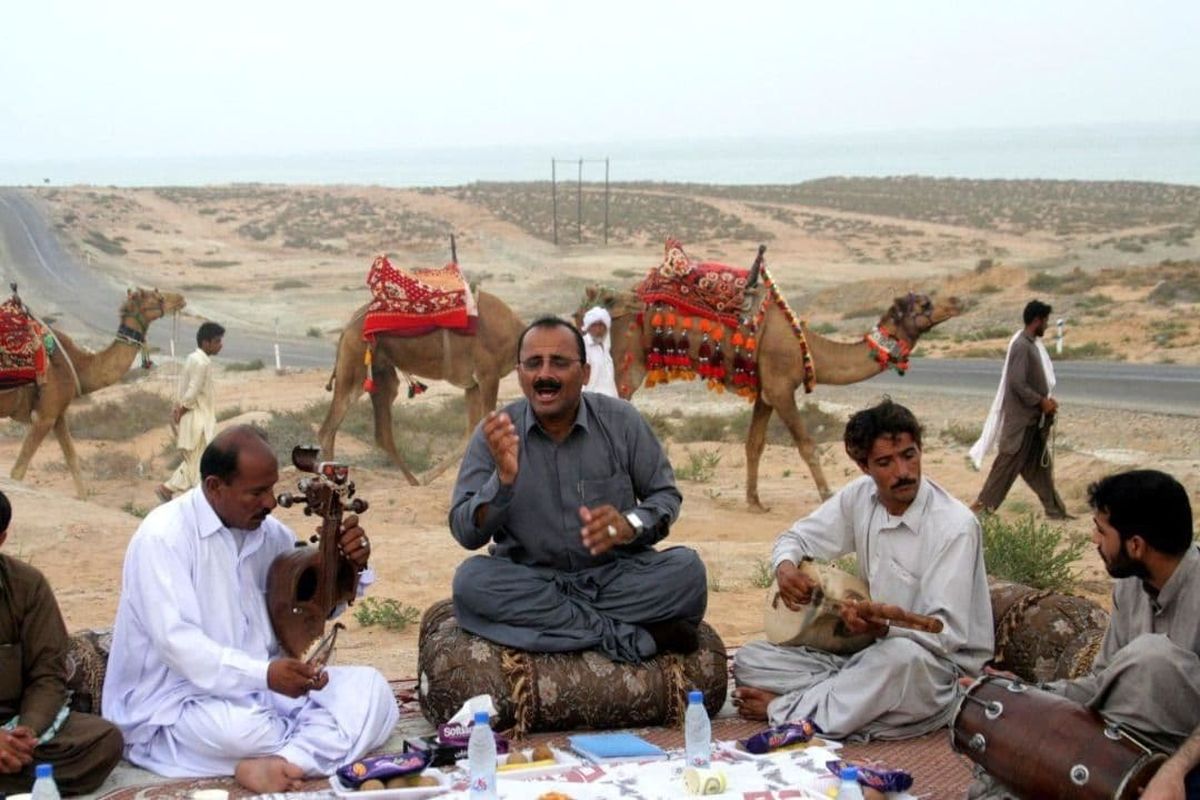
(603,378)
(928,560)
(187,675)
(199,424)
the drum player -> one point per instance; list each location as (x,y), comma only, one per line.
(1147,674)
(918,548)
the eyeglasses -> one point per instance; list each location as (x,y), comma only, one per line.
(556,363)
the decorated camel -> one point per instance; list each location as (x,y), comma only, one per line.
(734,329)
(72,371)
(474,359)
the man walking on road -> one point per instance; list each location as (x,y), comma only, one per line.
(195,413)
(1021,418)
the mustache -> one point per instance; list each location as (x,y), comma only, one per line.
(549,384)
(903,483)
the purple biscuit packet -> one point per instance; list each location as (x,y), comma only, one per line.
(882,780)
(775,738)
(381,767)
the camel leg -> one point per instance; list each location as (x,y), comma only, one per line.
(63,434)
(387,386)
(804,443)
(475,406)
(346,389)
(756,440)
(38,429)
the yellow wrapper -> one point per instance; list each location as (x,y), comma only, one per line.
(704,781)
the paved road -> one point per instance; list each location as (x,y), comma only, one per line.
(1163,388)
(54,282)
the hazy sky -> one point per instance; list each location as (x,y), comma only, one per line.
(83,79)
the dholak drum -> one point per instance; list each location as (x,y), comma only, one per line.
(818,624)
(1041,745)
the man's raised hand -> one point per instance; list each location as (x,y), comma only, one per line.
(502,441)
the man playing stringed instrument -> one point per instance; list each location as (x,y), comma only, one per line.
(917,548)
(196,678)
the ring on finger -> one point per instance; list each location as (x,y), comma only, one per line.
(612,531)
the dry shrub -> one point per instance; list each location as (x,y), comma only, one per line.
(109,464)
(121,420)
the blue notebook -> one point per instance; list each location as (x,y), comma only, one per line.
(597,747)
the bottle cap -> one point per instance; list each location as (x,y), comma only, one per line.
(850,774)
(44,771)
(482,718)
(695,696)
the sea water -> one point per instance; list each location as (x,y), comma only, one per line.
(1164,152)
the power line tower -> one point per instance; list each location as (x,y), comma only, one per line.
(579,162)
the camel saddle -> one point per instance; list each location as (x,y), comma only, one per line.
(705,289)
(25,345)
(417,302)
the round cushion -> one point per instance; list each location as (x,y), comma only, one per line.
(560,691)
(1045,636)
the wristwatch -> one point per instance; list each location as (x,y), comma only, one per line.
(636,523)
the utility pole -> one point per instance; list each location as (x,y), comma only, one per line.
(606,201)
(579,203)
(554,195)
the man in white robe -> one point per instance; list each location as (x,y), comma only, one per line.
(196,679)
(195,412)
(917,547)
(598,339)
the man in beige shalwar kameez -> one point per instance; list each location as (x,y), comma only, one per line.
(195,412)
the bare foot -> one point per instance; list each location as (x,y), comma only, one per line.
(752,703)
(269,774)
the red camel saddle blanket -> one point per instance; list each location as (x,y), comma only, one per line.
(23,352)
(412,303)
(704,288)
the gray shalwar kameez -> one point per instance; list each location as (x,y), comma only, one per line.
(1147,674)
(929,560)
(541,590)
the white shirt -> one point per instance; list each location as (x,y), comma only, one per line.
(929,560)
(602,379)
(195,393)
(192,619)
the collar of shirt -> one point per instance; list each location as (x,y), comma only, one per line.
(1180,581)
(209,524)
(914,514)
(581,416)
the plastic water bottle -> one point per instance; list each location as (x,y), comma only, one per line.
(481,759)
(849,789)
(44,787)
(697,732)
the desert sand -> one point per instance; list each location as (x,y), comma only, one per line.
(246,255)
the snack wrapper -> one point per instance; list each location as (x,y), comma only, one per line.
(381,767)
(877,778)
(784,735)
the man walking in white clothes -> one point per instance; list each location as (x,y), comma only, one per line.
(196,679)
(195,412)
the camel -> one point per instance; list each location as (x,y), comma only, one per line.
(74,370)
(473,363)
(780,364)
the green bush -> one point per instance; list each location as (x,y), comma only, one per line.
(701,466)
(388,612)
(245,366)
(763,575)
(1031,553)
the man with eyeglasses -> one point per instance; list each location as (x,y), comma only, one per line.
(572,490)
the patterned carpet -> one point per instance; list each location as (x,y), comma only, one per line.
(938,772)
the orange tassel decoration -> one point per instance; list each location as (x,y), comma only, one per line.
(369,382)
